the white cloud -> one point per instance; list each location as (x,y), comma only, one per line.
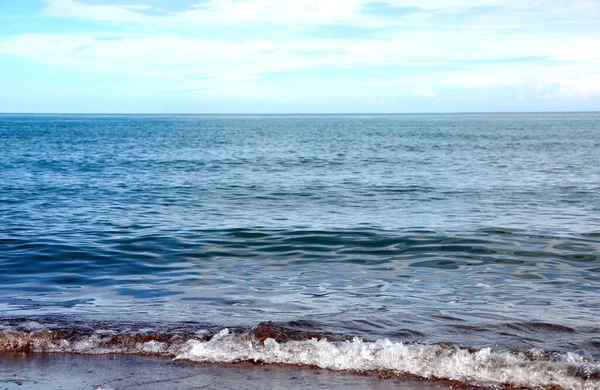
(493,48)
(484,14)
(110,13)
(433,60)
(219,12)
(425,92)
(577,87)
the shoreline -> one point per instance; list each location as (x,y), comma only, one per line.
(112,372)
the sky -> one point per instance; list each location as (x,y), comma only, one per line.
(304,56)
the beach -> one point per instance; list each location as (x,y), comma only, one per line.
(132,372)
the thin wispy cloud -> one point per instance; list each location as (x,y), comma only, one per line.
(325,56)
(386,9)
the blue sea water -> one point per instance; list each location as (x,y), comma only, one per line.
(478,230)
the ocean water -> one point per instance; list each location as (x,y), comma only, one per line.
(455,247)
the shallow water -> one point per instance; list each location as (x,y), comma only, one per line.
(476,231)
(57,372)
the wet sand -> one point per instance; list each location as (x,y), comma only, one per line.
(55,371)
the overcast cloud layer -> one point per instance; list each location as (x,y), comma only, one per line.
(274,56)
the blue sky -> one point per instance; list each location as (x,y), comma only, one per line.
(305,56)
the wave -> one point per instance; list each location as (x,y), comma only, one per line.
(270,343)
(532,369)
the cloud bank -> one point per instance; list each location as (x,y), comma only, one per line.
(301,56)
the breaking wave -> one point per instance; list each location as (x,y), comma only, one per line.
(275,344)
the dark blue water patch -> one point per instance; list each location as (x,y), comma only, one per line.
(310,272)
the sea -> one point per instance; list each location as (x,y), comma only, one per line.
(452,247)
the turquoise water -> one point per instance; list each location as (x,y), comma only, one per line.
(475,230)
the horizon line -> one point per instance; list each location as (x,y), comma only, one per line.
(306,113)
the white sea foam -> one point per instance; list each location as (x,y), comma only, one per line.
(427,361)
(533,369)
